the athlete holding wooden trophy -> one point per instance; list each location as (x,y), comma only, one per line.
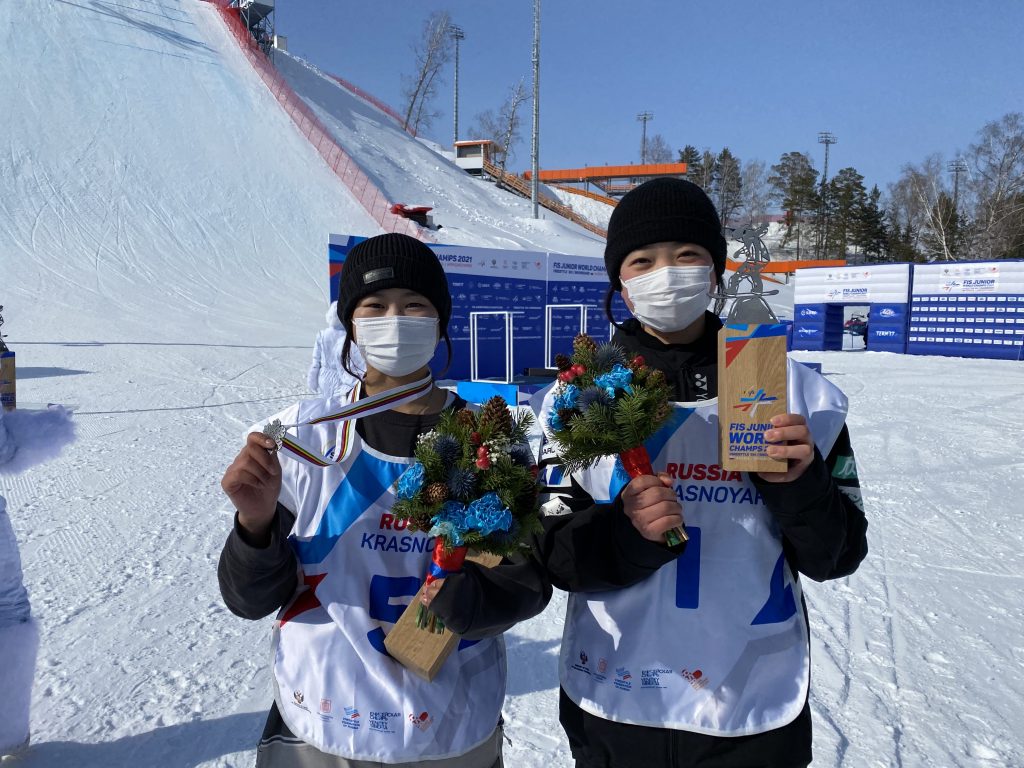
(696,652)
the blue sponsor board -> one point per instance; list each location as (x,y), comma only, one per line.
(573,281)
(789,333)
(338,247)
(887,328)
(493,280)
(480,280)
(818,327)
(967,325)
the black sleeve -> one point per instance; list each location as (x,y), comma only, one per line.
(588,547)
(483,602)
(256,581)
(820,513)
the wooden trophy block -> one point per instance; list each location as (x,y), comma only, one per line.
(420,651)
(751,389)
(8,388)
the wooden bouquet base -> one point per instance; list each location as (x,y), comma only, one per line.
(421,651)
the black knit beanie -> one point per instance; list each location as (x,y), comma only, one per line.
(392,261)
(659,211)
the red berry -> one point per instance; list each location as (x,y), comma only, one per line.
(638,361)
(483,463)
(578,369)
(475,438)
(566,376)
(481,452)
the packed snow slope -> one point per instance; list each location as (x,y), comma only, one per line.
(141,145)
(469,210)
(162,268)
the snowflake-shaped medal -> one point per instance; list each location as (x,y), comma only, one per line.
(276,431)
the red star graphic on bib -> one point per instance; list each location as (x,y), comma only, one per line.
(308,600)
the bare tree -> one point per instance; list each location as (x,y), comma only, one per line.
(502,128)
(923,202)
(488,125)
(906,216)
(755,193)
(432,52)
(509,117)
(996,183)
(658,150)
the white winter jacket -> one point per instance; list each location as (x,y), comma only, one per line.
(326,376)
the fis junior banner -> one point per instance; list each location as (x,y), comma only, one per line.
(968,309)
(820,293)
(868,284)
(576,288)
(505,290)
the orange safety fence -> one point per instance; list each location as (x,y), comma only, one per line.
(309,125)
(610,172)
(783,267)
(371,99)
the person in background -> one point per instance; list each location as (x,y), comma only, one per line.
(699,654)
(320,547)
(327,375)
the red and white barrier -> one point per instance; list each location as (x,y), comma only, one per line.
(310,126)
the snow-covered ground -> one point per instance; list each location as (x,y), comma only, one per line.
(163,235)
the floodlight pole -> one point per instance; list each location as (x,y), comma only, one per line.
(644,117)
(956,167)
(535,151)
(828,139)
(457,34)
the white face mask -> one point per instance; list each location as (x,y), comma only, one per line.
(396,345)
(670,298)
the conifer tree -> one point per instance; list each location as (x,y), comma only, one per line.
(793,183)
(847,199)
(727,184)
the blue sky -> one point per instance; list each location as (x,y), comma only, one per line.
(894,81)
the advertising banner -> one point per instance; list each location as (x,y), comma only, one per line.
(574,282)
(968,309)
(868,284)
(504,289)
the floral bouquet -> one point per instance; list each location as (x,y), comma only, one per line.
(606,405)
(474,484)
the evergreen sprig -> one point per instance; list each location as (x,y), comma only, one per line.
(605,404)
(474,454)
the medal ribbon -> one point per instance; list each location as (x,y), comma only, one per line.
(382,401)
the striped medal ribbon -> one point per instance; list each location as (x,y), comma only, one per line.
(294,448)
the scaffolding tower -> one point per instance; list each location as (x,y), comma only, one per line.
(258,17)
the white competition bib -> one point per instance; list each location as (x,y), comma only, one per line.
(335,684)
(716,641)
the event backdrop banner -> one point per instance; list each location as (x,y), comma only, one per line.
(868,284)
(510,286)
(968,309)
(509,290)
(573,281)
(820,293)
